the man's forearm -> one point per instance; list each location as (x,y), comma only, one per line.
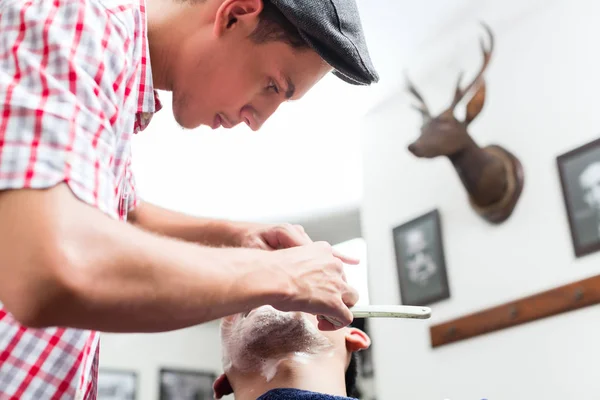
(115,277)
(210,232)
(136,281)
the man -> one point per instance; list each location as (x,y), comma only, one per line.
(269,354)
(419,261)
(77,79)
(589,182)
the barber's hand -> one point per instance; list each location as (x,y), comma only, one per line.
(273,237)
(317,283)
(283,236)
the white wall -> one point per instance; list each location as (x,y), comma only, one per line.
(542,100)
(197,348)
(305,160)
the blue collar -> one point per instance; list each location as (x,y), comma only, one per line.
(297,394)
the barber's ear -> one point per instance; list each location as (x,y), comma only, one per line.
(357,340)
(222,387)
(237,14)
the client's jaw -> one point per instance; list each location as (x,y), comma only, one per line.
(268,349)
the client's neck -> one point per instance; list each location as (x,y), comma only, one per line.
(324,375)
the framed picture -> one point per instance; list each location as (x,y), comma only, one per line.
(420,260)
(579,171)
(116,384)
(179,384)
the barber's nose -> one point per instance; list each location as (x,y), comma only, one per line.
(256,117)
(249,115)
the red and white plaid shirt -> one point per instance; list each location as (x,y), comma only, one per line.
(75,85)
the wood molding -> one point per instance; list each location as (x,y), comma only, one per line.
(545,304)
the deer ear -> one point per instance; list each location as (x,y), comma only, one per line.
(476,103)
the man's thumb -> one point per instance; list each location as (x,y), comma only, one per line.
(346,259)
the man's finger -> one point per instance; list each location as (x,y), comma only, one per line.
(346,259)
(290,236)
(283,237)
(350,297)
(258,243)
(330,323)
(325,325)
(340,316)
(300,229)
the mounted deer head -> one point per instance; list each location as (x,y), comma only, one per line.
(492,176)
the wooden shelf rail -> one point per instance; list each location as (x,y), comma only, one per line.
(545,304)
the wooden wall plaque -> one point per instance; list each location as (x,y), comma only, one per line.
(545,304)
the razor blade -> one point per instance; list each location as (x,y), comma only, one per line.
(383,311)
(390,311)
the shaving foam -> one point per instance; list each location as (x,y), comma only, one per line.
(264,339)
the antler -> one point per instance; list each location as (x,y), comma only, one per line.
(422,107)
(487,55)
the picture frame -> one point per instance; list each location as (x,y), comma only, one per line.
(186,384)
(579,174)
(421,261)
(117,384)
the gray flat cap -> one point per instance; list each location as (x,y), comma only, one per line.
(334,30)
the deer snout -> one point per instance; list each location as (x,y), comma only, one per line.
(414,149)
(423,149)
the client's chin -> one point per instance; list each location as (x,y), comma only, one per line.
(265,338)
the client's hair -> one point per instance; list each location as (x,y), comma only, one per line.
(351,374)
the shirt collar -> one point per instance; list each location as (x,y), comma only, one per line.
(298,394)
(148,102)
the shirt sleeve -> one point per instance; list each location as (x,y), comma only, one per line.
(63,70)
(134,198)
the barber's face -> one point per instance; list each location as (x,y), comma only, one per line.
(234,80)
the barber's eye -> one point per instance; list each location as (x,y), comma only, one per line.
(273,86)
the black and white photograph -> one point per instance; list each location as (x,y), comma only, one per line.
(420,260)
(181,384)
(116,384)
(579,171)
